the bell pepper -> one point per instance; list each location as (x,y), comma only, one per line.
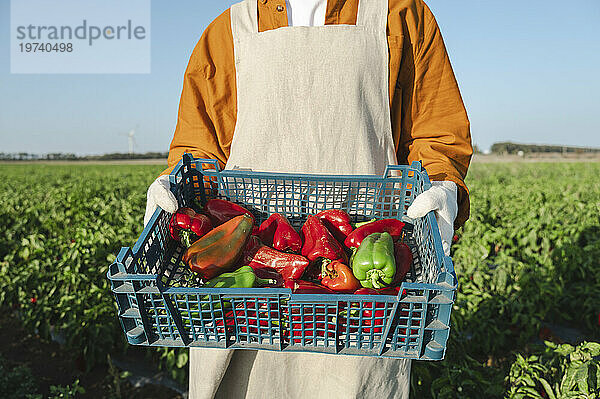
(259,256)
(187,226)
(272,275)
(243,277)
(404,259)
(246,315)
(366,291)
(339,277)
(389,291)
(373,263)
(314,325)
(392,226)
(378,315)
(220,211)
(244,319)
(337,222)
(277,232)
(382,291)
(219,250)
(306,287)
(319,243)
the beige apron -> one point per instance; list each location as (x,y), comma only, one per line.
(310,100)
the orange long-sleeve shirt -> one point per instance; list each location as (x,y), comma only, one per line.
(429,120)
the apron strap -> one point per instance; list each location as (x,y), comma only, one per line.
(373,14)
(244,18)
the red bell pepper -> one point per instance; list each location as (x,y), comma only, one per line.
(306,287)
(389,291)
(259,256)
(314,325)
(378,315)
(273,275)
(337,222)
(187,226)
(413,331)
(404,259)
(366,291)
(250,317)
(319,243)
(277,232)
(404,312)
(339,277)
(220,211)
(392,226)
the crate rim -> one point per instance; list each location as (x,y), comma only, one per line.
(188,159)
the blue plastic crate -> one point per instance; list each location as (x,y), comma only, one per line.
(160,302)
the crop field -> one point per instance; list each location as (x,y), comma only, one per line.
(525,324)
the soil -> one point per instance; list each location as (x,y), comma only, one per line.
(52,364)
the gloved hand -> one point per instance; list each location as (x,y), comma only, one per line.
(440,198)
(159,194)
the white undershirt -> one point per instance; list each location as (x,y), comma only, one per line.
(306,12)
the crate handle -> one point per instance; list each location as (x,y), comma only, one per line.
(437,239)
(200,162)
(416,165)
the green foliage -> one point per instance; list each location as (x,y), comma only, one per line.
(66,392)
(60,229)
(559,371)
(529,256)
(115,379)
(16,382)
(175,360)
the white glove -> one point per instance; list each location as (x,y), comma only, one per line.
(440,198)
(159,194)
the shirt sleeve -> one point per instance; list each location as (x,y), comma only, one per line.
(207,108)
(435,127)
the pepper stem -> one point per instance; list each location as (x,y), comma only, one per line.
(264,281)
(197,203)
(375,276)
(357,225)
(324,264)
(185,238)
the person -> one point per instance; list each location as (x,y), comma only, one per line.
(317,86)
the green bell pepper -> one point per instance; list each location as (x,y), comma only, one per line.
(243,277)
(373,263)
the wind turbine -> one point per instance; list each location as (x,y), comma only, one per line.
(130,140)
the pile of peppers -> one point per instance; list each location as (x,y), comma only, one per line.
(226,248)
(329,254)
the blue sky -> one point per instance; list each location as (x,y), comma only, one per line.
(528,72)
